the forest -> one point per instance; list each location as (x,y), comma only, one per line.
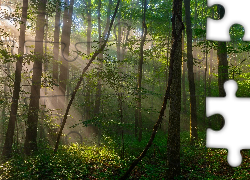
(114,89)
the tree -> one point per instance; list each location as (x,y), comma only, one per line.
(222,67)
(89,30)
(193,110)
(65,40)
(173,145)
(31,130)
(100,57)
(139,76)
(56,39)
(222,64)
(14,105)
(183,81)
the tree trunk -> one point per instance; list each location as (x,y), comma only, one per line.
(168,49)
(100,57)
(141,56)
(118,45)
(210,67)
(184,96)
(56,41)
(14,105)
(173,145)
(222,61)
(31,131)
(89,30)
(99,81)
(65,40)
(222,67)
(193,109)
(210,72)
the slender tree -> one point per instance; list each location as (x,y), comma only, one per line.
(65,43)
(139,76)
(183,80)
(89,30)
(56,39)
(119,37)
(190,65)
(100,57)
(31,130)
(210,66)
(222,65)
(168,43)
(14,105)
(222,60)
(210,72)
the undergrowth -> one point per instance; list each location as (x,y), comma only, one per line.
(103,162)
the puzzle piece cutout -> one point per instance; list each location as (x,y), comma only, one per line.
(235,134)
(236,12)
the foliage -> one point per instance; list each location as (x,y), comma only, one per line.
(71,162)
(103,162)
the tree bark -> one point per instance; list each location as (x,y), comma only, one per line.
(56,41)
(210,72)
(222,67)
(89,30)
(65,40)
(210,67)
(31,131)
(139,76)
(100,57)
(7,149)
(173,145)
(184,65)
(193,109)
(167,66)
(222,60)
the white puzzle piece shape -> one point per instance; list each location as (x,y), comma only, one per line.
(236,12)
(235,134)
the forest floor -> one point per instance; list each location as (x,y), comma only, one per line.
(104,162)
